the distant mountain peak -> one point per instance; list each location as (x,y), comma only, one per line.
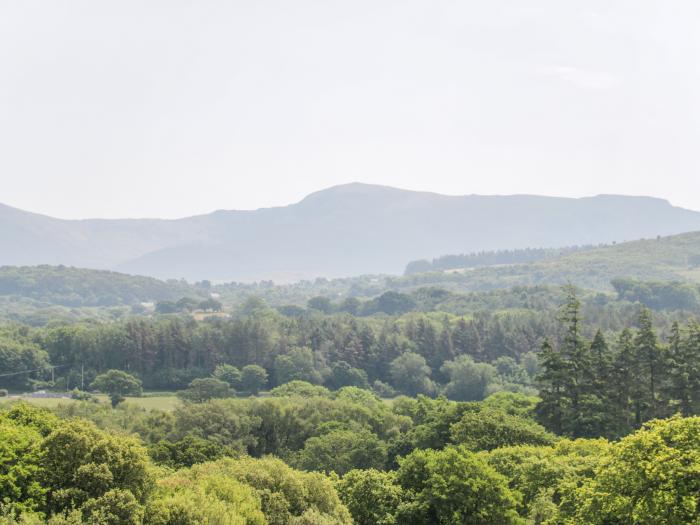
(349,229)
(354,189)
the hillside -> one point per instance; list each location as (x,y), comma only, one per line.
(346,230)
(77,287)
(489,258)
(672,258)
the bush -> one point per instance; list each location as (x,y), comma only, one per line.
(81,395)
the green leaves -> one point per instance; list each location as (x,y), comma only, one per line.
(20,466)
(372,496)
(51,466)
(489,428)
(411,374)
(206,388)
(81,462)
(340,451)
(652,476)
(453,487)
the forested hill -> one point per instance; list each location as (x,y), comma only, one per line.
(346,230)
(60,285)
(490,258)
(663,260)
(672,258)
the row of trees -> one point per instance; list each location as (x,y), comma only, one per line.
(168,353)
(609,382)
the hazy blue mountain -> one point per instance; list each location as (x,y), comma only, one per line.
(344,230)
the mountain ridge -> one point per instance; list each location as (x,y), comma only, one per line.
(343,230)
(342,188)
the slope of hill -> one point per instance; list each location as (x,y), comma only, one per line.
(672,258)
(77,287)
(491,258)
(345,230)
(648,269)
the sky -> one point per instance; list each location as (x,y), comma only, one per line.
(170,108)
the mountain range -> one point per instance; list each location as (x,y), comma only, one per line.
(344,230)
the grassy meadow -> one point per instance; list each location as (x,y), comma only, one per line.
(160,401)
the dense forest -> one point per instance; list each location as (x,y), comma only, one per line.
(313,457)
(522,405)
(465,359)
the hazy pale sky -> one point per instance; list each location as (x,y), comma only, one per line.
(170,108)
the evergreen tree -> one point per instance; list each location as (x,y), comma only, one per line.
(596,414)
(576,357)
(648,369)
(554,404)
(622,381)
(683,368)
(445,349)
(427,345)
(677,387)
(466,339)
(602,362)
(691,360)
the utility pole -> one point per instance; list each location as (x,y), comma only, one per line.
(82,377)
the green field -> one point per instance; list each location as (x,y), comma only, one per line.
(153,401)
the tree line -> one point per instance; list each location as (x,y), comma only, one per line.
(169,352)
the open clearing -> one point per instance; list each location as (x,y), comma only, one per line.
(153,401)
